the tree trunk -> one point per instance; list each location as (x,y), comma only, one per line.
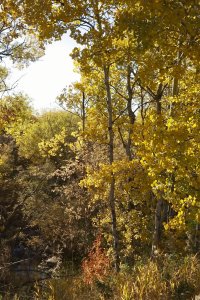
(130,113)
(111,159)
(157,227)
(160,203)
(83,111)
(112,203)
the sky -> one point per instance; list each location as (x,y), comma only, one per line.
(44,79)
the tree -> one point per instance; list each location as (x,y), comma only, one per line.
(139,67)
(48,135)
(75,100)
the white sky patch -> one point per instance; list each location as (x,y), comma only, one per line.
(44,79)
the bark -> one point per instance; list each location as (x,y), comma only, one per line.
(157,227)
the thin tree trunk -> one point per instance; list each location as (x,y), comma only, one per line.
(111,159)
(130,112)
(174,90)
(157,226)
(158,97)
(175,87)
(112,203)
(160,203)
(83,111)
(161,212)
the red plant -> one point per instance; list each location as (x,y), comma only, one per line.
(96,266)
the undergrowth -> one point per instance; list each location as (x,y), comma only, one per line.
(167,278)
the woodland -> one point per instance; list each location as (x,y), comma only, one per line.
(101,199)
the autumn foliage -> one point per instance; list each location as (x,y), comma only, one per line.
(97,265)
(123,158)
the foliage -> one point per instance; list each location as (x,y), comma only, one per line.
(49,135)
(130,168)
(96,266)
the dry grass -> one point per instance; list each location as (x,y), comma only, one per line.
(168,278)
(172,278)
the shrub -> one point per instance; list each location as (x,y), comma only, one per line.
(97,265)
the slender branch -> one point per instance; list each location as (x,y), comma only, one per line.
(7,265)
(120,94)
(84,22)
(120,114)
(121,137)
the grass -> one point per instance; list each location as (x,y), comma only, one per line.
(168,278)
